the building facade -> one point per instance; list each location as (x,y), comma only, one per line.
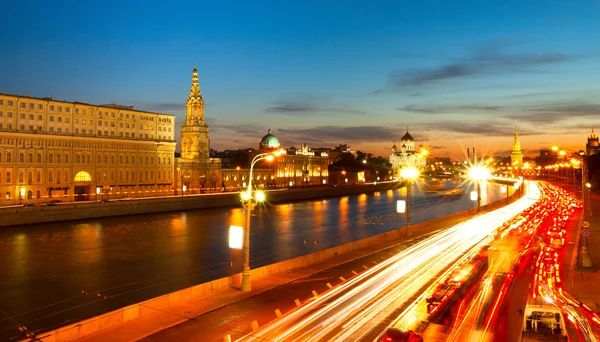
(406,155)
(516,156)
(295,167)
(593,145)
(72,151)
(197,172)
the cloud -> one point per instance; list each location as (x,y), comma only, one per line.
(489,59)
(483,128)
(341,134)
(155,106)
(450,109)
(309,105)
(553,113)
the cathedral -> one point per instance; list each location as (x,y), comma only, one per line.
(196,172)
(406,155)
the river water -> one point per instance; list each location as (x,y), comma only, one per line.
(50,274)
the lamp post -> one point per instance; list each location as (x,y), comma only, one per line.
(249,202)
(409,174)
(479,174)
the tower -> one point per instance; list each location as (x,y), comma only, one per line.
(516,157)
(593,144)
(195,143)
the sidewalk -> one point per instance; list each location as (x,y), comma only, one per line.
(232,312)
(584,284)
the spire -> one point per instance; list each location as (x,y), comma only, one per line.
(593,135)
(516,144)
(195,103)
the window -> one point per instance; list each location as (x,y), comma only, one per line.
(59,118)
(126,159)
(38,194)
(8,157)
(105,132)
(21,157)
(121,134)
(29,177)
(1,114)
(99,123)
(105,159)
(10,114)
(126,134)
(77,159)
(52,107)
(31,116)
(10,103)
(99,159)
(57,177)
(30,158)
(8,180)
(99,132)
(22,104)
(89,159)
(31,106)
(39,128)
(67,109)
(40,107)
(29,194)
(112,124)
(51,129)
(58,130)
(31,127)
(106,123)
(50,158)
(60,108)
(50,177)
(120,159)
(7,195)
(22,127)
(51,118)
(1,102)
(20,177)
(83,121)
(38,158)
(76,110)
(38,177)
(58,157)
(126,125)
(112,159)
(83,176)
(66,157)
(76,130)
(22,115)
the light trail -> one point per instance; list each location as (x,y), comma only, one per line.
(350,310)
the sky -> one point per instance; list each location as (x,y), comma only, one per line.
(457,74)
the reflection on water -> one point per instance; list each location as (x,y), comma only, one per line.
(138,257)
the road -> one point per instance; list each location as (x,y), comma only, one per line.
(355,309)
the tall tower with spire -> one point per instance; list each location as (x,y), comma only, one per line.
(593,144)
(516,157)
(195,142)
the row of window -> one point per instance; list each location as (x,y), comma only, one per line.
(79,158)
(83,131)
(55,177)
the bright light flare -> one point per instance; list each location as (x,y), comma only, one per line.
(409,173)
(236,237)
(479,173)
(270,157)
(260,196)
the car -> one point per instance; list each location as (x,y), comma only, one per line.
(53,203)
(397,335)
(126,198)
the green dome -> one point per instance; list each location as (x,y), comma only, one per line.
(269,141)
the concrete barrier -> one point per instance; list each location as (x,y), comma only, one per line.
(119,316)
(79,211)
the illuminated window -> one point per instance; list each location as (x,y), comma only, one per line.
(83,176)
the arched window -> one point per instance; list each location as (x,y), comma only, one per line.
(21,157)
(57,177)
(29,194)
(151,175)
(126,159)
(112,175)
(120,175)
(0,157)
(151,160)
(50,177)
(8,180)
(38,177)
(132,175)
(105,159)
(89,159)
(83,176)
(158,174)
(20,177)
(8,157)
(120,159)
(58,157)
(29,177)
(127,175)
(38,194)
(112,159)
(50,158)
(66,157)
(7,195)
(77,159)
(38,158)
(30,158)
(105,176)
(99,159)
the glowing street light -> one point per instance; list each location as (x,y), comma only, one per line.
(249,202)
(479,174)
(409,174)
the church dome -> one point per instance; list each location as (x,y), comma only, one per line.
(269,141)
(407,137)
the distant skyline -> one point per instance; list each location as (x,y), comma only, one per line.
(323,72)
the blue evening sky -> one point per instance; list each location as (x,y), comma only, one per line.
(457,73)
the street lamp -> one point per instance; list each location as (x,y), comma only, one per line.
(479,174)
(249,202)
(409,174)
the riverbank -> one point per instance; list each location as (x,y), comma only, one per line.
(15,216)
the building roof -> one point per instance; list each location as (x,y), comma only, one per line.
(269,141)
(407,137)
